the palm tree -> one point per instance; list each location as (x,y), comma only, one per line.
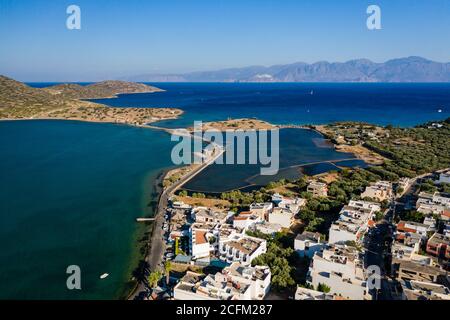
(167,269)
(153,278)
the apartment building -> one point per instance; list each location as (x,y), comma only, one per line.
(340,268)
(380,191)
(241,248)
(353,222)
(308,243)
(233,283)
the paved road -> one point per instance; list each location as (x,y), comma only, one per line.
(378,247)
(157,242)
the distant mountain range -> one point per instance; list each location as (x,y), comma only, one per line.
(411,69)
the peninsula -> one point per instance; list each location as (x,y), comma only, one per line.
(19,101)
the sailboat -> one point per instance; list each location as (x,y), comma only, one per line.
(312,92)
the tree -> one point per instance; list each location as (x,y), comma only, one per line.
(323,288)
(183,193)
(276,259)
(167,269)
(153,278)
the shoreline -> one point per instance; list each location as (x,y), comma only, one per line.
(151,241)
(151,187)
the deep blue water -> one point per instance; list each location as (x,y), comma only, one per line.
(293,103)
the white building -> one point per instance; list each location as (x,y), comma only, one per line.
(380,191)
(340,268)
(258,278)
(267,228)
(201,240)
(413,227)
(353,222)
(292,204)
(207,215)
(180,205)
(233,283)
(245,220)
(317,189)
(261,209)
(436,203)
(204,238)
(419,290)
(241,248)
(308,243)
(281,216)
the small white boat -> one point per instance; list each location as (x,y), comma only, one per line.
(440,110)
(104,276)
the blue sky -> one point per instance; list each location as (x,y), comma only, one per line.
(121,38)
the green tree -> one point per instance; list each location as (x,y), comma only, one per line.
(323,288)
(167,269)
(153,278)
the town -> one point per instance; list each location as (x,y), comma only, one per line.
(271,245)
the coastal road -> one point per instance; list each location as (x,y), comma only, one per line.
(157,242)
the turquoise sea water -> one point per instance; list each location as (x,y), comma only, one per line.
(71,191)
(69,195)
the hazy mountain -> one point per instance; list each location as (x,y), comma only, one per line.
(411,69)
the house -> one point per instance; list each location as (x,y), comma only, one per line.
(292,204)
(267,228)
(419,290)
(411,270)
(205,238)
(407,247)
(261,209)
(413,227)
(433,203)
(258,278)
(317,189)
(430,222)
(233,283)
(207,215)
(341,269)
(241,248)
(283,217)
(201,240)
(246,219)
(380,191)
(180,205)
(439,246)
(308,243)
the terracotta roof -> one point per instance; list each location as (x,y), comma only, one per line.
(446,213)
(401,227)
(200,237)
(400,236)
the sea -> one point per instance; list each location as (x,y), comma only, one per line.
(71,191)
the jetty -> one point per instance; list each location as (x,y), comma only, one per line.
(145,219)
